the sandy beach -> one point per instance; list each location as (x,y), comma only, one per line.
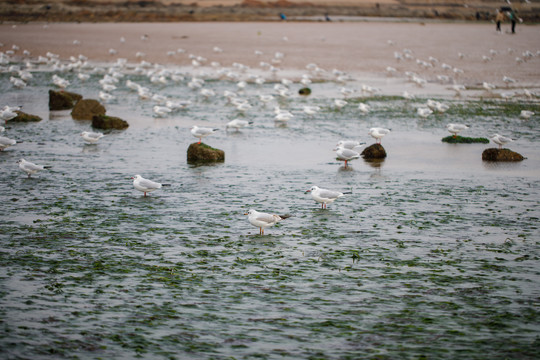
(475,52)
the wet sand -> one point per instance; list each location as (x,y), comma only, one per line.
(354,47)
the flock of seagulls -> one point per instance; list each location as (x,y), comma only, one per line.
(239,74)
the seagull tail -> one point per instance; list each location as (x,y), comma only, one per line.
(47,167)
(165,184)
(286,216)
(347,192)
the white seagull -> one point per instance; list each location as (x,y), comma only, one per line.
(264,220)
(91,137)
(7,113)
(424,112)
(6,142)
(237,124)
(324,196)
(30,168)
(500,140)
(145,185)
(346,154)
(200,132)
(350,144)
(526,114)
(378,133)
(364,108)
(456,128)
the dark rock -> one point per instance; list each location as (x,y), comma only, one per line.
(108,122)
(62,100)
(375,151)
(494,154)
(85,109)
(24,117)
(464,140)
(304,91)
(202,153)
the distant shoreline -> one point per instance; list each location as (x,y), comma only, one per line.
(147,11)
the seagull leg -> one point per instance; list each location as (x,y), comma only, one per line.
(345,163)
(145,194)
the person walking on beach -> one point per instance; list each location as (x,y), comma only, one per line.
(513,18)
(498,18)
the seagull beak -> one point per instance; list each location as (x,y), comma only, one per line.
(307,191)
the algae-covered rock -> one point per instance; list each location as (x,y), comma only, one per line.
(375,151)
(202,153)
(464,140)
(108,122)
(494,154)
(24,117)
(62,100)
(304,91)
(85,109)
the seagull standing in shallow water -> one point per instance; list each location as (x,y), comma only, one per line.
(264,220)
(30,168)
(325,196)
(6,142)
(238,124)
(91,137)
(145,185)
(346,154)
(200,132)
(500,140)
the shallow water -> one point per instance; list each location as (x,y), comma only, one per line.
(433,254)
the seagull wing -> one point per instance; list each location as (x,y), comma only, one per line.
(266,218)
(149,184)
(329,194)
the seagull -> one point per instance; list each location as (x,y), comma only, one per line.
(60,82)
(145,185)
(237,124)
(339,103)
(161,111)
(8,113)
(200,132)
(378,133)
(30,168)
(91,137)
(526,114)
(325,196)
(346,154)
(283,115)
(500,140)
(6,142)
(264,220)
(105,96)
(488,86)
(456,128)
(424,112)
(364,108)
(350,144)
(311,110)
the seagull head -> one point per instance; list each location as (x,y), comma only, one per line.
(313,188)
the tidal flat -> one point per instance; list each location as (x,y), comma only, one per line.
(433,255)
